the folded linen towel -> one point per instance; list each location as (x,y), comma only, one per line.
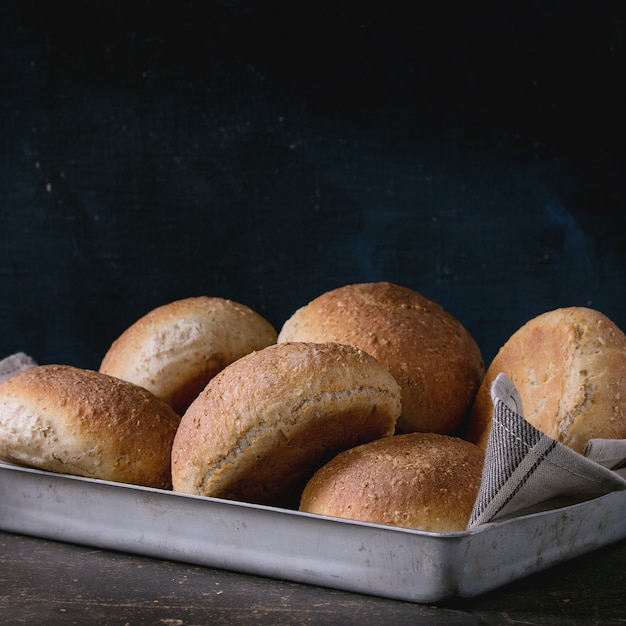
(526,471)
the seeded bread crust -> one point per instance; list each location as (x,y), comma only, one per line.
(435,360)
(175,349)
(265,423)
(569,367)
(75,421)
(424,481)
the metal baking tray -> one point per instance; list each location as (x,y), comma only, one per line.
(378,560)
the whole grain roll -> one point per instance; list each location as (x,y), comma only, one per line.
(263,425)
(435,360)
(424,481)
(569,367)
(74,421)
(175,349)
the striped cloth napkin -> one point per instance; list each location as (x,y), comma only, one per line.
(526,471)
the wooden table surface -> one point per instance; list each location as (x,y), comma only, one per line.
(46,582)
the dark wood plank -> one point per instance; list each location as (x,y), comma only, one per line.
(46,582)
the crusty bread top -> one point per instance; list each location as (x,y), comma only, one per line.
(432,356)
(175,349)
(569,367)
(424,481)
(267,421)
(74,421)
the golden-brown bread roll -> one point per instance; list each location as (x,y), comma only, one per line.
(75,421)
(432,356)
(175,349)
(424,481)
(569,367)
(263,425)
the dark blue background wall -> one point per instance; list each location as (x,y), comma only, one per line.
(266,153)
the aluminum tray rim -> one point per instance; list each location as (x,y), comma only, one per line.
(399,563)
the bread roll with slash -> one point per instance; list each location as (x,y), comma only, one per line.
(435,360)
(263,425)
(569,368)
(175,349)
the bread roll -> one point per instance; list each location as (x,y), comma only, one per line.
(424,481)
(569,367)
(74,421)
(175,349)
(432,356)
(264,424)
